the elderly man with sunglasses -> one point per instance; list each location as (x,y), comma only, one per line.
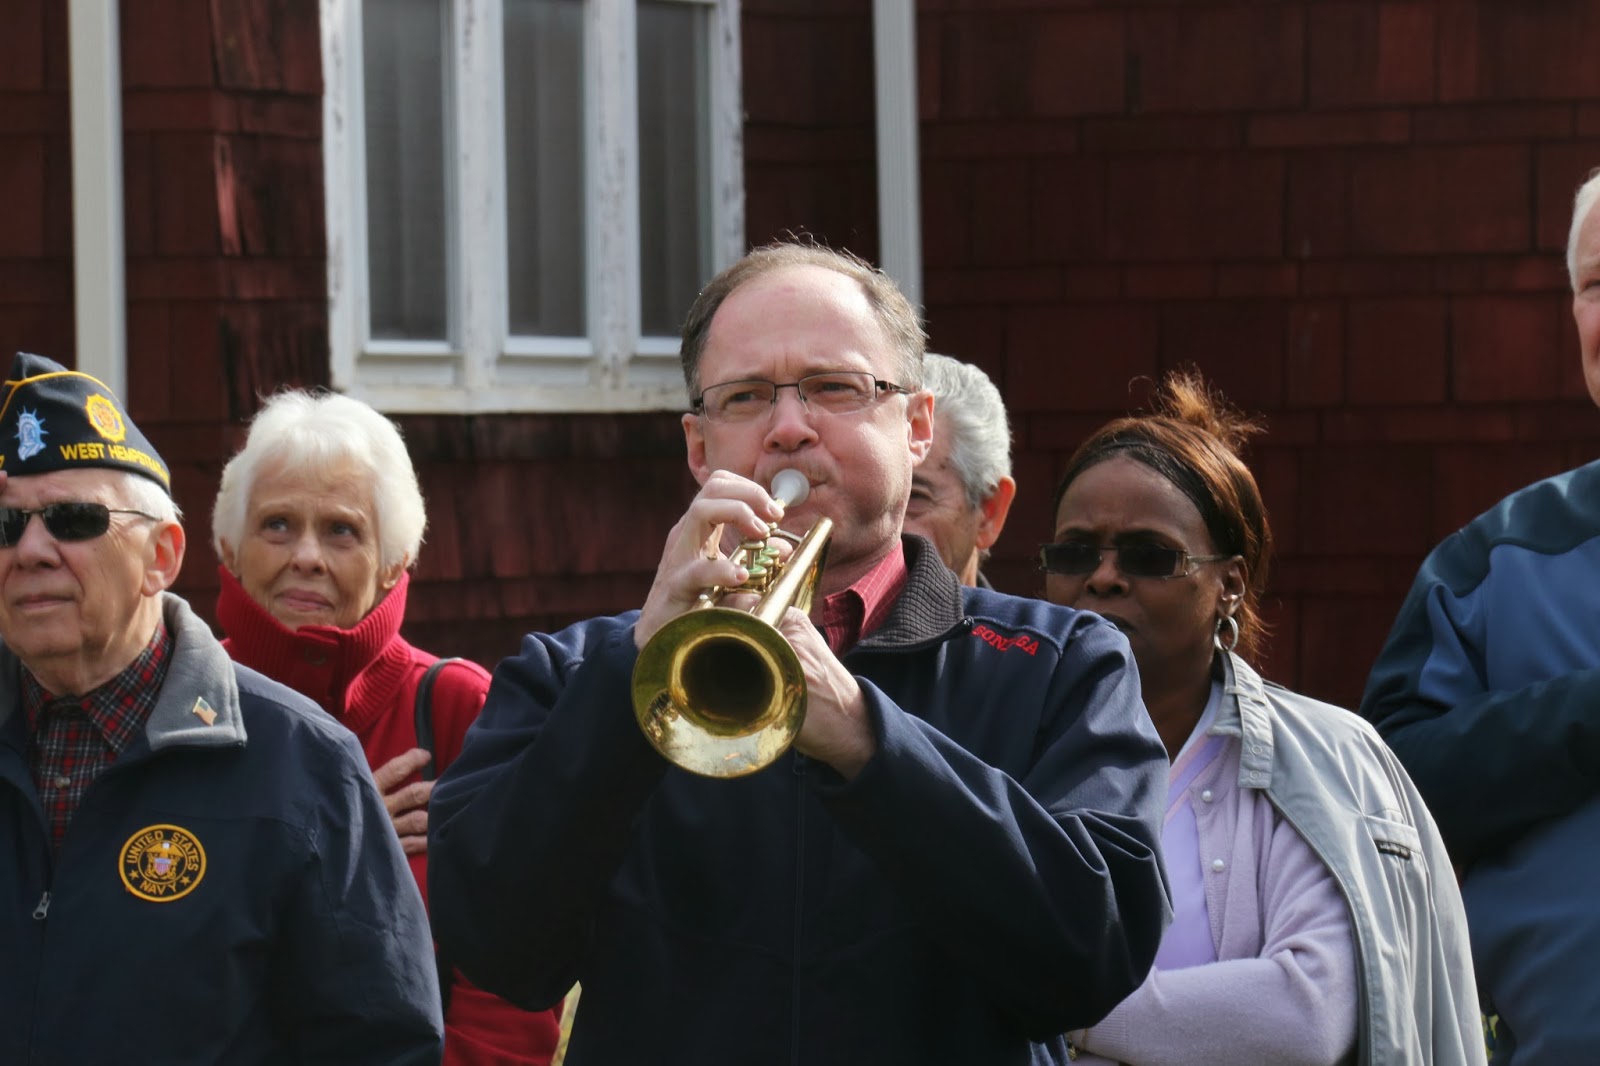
(956,861)
(195,867)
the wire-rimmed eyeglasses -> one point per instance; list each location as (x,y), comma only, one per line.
(834,392)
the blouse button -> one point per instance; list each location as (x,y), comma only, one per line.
(1218,865)
(1207,796)
(63,781)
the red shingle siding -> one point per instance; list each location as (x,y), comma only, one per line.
(223,218)
(1349,215)
(35,181)
(227,290)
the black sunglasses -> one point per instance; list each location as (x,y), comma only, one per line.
(1077,558)
(63,521)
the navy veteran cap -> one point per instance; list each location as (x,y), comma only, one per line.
(53,419)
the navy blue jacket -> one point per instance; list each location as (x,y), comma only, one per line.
(1489,692)
(228,892)
(989,881)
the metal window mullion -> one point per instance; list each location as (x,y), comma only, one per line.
(478,197)
(344,179)
(611,118)
(727,138)
(100,297)
(894,38)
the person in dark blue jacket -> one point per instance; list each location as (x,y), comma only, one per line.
(195,866)
(1489,692)
(955,863)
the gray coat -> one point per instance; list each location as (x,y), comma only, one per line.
(1319,763)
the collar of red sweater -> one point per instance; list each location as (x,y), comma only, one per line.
(354,674)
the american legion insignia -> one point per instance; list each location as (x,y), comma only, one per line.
(162,863)
(105,418)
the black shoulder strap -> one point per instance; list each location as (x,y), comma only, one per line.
(424,714)
(424,723)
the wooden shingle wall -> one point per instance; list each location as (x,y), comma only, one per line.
(227,288)
(1350,215)
(35,182)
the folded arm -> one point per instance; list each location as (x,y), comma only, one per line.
(1294,1004)
(1489,763)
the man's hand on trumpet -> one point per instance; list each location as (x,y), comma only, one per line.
(692,560)
(836,730)
(728,510)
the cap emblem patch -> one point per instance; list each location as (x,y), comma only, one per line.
(30,434)
(105,418)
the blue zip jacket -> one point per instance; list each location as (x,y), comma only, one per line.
(1489,692)
(989,881)
(229,892)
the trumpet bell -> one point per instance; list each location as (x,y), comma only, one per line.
(719,692)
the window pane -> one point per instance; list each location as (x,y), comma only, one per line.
(545,208)
(674,155)
(407,255)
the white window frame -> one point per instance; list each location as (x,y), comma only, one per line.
(481,368)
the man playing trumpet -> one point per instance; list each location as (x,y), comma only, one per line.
(955,862)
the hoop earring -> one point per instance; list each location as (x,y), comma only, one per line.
(1231,624)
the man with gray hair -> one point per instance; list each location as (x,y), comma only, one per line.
(962,492)
(195,867)
(1488,691)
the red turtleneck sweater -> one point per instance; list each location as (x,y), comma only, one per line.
(367,678)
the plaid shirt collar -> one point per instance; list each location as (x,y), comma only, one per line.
(117,709)
(851,615)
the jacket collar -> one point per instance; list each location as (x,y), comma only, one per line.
(930,603)
(1246,714)
(339,656)
(199,701)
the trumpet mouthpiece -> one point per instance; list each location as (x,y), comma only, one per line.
(790,487)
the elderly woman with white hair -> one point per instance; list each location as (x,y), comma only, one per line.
(317,522)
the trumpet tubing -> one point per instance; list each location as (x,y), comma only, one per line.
(719,691)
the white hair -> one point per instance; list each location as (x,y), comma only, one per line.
(1582,204)
(139,493)
(968,408)
(299,429)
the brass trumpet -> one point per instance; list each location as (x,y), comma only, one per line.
(718,691)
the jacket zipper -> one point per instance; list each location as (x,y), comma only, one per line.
(799,906)
(42,911)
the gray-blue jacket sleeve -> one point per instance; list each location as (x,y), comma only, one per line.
(1490,760)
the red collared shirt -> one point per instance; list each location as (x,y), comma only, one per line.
(72,739)
(849,616)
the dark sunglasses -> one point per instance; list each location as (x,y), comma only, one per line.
(63,521)
(1078,558)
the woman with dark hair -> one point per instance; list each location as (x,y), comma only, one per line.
(1316,918)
